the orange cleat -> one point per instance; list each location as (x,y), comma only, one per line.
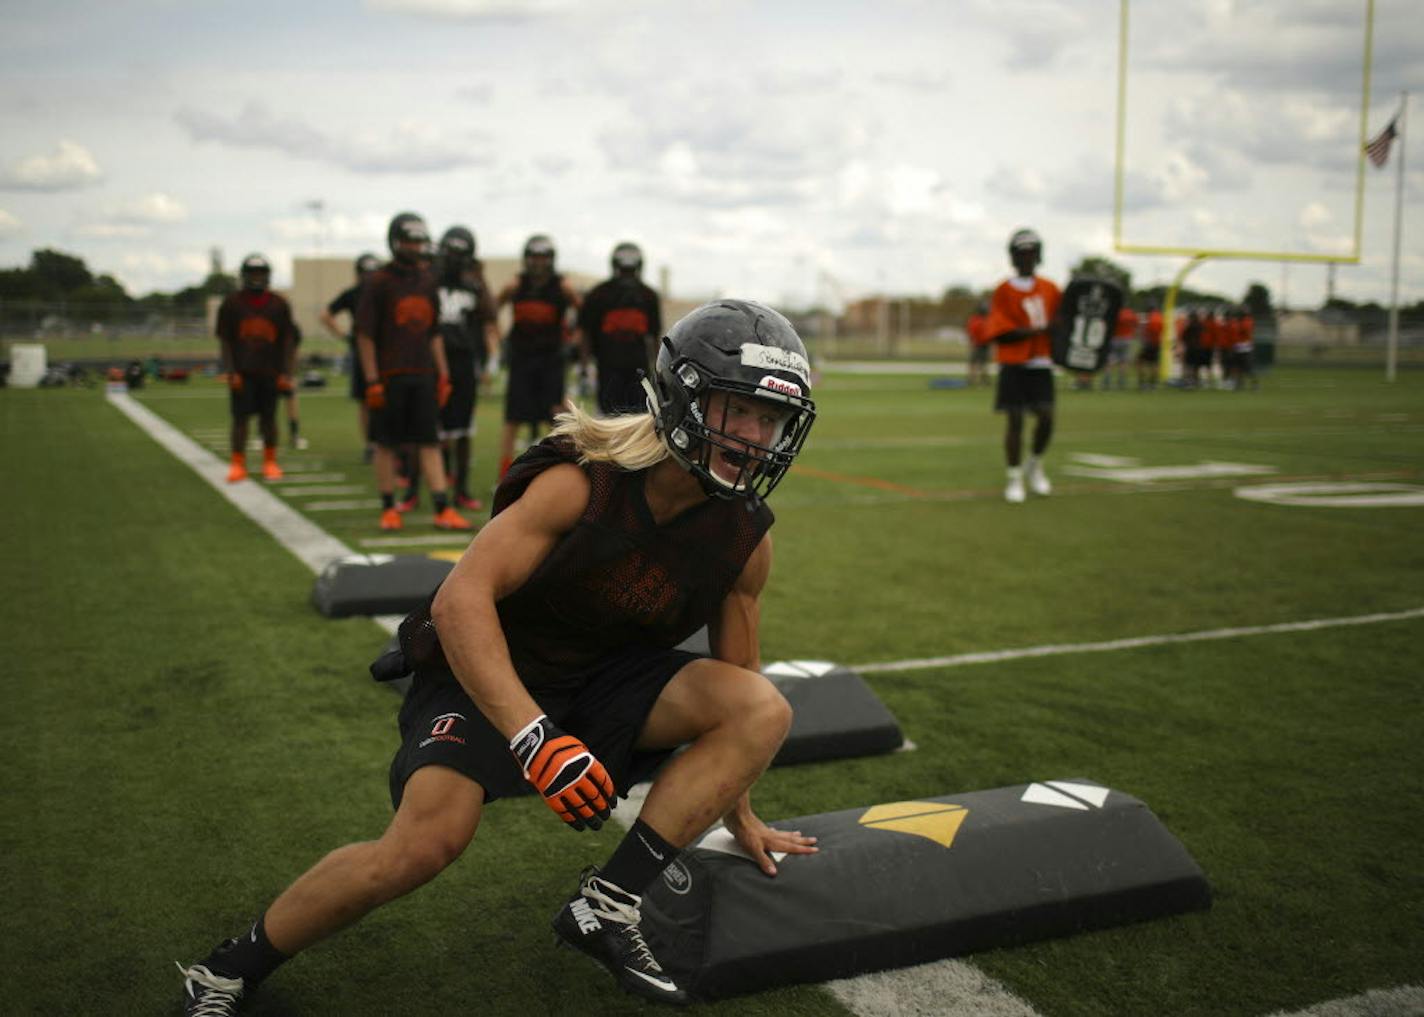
(391,520)
(464,501)
(236,472)
(449,519)
(271,471)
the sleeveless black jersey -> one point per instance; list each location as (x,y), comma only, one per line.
(617,579)
(618,316)
(539,308)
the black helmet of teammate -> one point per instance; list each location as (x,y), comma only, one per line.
(1025,251)
(410,230)
(457,244)
(366,264)
(255,273)
(626,259)
(539,246)
(737,347)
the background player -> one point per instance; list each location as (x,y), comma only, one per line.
(978,344)
(404,360)
(471,342)
(345,303)
(1020,312)
(621,320)
(257,338)
(534,388)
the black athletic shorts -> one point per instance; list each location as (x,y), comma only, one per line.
(1149,353)
(605,705)
(535,388)
(409,414)
(458,413)
(1024,388)
(258,395)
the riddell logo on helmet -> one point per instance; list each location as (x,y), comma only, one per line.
(777,385)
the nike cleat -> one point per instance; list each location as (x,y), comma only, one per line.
(464,501)
(391,520)
(602,920)
(236,472)
(409,503)
(271,471)
(208,995)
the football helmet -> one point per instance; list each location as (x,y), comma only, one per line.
(722,351)
(255,273)
(366,264)
(407,237)
(627,259)
(457,244)
(539,246)
(1025,251)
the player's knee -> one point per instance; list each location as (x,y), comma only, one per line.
(765,716)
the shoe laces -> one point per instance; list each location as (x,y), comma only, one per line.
(612,902)
(220,999)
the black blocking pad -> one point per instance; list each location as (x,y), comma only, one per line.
(911,882)
(835,715)
(377,584)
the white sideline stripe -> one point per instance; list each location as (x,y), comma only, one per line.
(1135,642)
(348,505)
(309,543)
(1401,1001)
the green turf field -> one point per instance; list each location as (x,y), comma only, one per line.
(183,734)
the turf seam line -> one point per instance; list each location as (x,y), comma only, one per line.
(1133,642)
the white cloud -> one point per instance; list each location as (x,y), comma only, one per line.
(408,147)
(69,167)
(9,225)
(368,228)
(473,10)
(1313,214)
(134,218)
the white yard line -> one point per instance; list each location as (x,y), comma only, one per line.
(1133,643)
(949,988)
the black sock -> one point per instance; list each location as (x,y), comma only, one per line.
(293,426)
(639,859)
(388,501)
(441,501)
(250,956)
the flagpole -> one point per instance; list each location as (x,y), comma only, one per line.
(1392,348)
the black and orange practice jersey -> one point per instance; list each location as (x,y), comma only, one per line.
(617,316)
(538,317)
(397,308)
(258,332)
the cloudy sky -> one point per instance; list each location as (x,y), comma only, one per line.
(783,150)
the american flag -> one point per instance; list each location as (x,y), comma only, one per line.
(1378,149)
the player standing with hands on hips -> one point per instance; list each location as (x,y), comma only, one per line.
(549,656)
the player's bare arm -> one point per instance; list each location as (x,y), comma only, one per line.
(735,639)
(499,560)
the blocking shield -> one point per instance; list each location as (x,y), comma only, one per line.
(1083,330)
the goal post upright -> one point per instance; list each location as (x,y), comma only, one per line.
(1196,255)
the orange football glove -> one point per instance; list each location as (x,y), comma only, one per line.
(443,388)
(284,383)
(562,769)
(234,381)
(375,396)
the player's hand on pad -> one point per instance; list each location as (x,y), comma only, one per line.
(562,769)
